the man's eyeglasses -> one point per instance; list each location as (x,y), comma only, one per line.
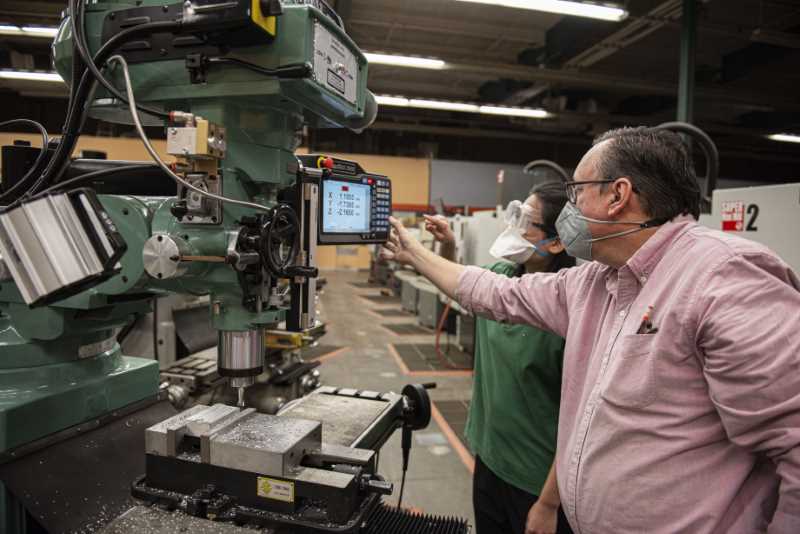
(573,188)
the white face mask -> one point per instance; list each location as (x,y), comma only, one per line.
(511,245)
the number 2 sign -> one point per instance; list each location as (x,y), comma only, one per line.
(734,214)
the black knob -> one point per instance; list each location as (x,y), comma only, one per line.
(270,8)
(179,209)
(305,272)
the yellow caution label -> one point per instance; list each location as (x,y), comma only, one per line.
(279,490)
(268,23)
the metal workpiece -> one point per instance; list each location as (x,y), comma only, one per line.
(199,421)
(265,444)
(162,439)
(209,420)
(162,256)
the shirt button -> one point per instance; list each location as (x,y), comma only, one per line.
(622,313)
(643,279)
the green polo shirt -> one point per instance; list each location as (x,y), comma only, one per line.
(513,416)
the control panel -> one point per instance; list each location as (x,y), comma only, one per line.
(354,205)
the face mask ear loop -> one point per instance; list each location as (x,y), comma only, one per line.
(641,226)
(618,234)
(541,252)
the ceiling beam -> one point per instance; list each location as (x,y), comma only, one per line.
(530,36)
(19,11)
(633,31)
(482,133)
(485,71)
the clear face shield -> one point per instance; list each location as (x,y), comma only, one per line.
(511,245)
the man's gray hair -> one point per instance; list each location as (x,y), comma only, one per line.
(659,167)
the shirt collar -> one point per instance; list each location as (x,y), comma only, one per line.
(645,260)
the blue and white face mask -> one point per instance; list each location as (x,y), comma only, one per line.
(511,245)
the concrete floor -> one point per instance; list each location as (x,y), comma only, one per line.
(439,480)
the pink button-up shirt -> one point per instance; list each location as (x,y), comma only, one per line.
(694,428)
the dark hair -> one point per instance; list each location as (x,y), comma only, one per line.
(552,197)
(659,166)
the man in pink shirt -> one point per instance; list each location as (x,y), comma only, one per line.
(680,401)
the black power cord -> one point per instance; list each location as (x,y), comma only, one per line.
(76,115)
(96,174)
(279,242)
(77,22)
(40,159)
(299,70)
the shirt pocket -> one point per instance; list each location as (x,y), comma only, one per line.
(633,380)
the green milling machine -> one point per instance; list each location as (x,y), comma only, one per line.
(233,84)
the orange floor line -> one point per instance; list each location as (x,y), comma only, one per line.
(407,371)
(400,363)
(455,442)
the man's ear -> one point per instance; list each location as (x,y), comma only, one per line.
(555,247)
(622,191)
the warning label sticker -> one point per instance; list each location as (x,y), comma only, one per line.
(279,490)
(733,216)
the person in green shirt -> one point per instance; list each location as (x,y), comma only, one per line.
(513,416)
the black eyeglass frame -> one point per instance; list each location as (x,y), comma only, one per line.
(572,194)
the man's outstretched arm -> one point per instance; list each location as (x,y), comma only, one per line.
(403,248)
(535,299)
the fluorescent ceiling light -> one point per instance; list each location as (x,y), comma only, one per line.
(30,75)
(405,61)
(786,138)
(443,105)
(29,31)
(562,7)
(515,112)
(392,101)
(401,101)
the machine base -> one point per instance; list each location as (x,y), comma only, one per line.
(382,519)
(209,504)
(79,479)
(40,401)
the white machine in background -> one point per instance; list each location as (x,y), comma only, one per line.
(767,214)
(475,235)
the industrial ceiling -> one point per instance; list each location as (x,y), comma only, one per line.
(590,75)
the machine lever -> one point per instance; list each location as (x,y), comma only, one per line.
(375,485)
(302,271)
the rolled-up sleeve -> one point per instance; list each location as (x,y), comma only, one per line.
(535,299)
(748,319)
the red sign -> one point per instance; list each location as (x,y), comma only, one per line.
(345,188)
(733,216)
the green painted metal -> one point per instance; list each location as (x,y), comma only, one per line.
(39,401)
(60,365)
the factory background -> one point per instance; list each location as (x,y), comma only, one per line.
(469,93)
